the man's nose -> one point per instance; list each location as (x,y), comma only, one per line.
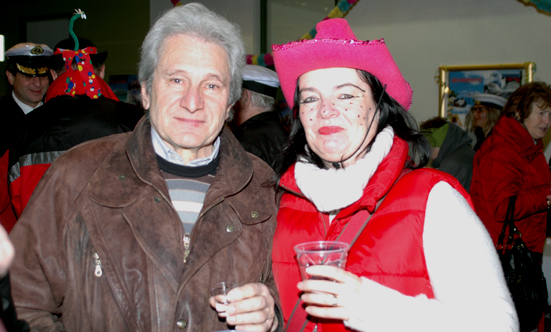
(36,81)
(192,99)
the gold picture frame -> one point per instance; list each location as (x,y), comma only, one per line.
(457,84)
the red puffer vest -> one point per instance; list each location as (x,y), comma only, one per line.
(390,248)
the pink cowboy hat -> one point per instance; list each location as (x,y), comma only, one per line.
(336,45)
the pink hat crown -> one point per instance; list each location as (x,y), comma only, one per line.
(336,45)
(337,28)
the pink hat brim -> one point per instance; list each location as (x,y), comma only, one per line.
(299,57)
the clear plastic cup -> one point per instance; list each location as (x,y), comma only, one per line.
(332,253)
(221,289)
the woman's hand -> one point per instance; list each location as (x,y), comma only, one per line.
(333,298)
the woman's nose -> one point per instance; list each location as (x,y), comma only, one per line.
(328,109)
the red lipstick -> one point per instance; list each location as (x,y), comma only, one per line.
(328,130)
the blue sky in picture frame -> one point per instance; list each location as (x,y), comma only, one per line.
(464,84)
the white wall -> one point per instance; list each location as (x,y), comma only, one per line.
(426,34)
(246,13)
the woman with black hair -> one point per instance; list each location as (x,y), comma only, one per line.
(422,260)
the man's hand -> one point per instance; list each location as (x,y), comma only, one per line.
(251,308)
(6,252)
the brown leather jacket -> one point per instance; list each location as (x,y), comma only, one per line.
(100,247)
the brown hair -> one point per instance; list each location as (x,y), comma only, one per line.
(519,104)
(493,115)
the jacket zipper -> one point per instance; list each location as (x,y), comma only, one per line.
(187,237)
(187,243)
(97,272)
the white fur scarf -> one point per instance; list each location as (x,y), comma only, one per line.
(333,189)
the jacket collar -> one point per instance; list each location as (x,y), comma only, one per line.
(511,131)
(456,138)
(384,178)
(235,170)
(380,183)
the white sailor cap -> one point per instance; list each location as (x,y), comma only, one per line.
(489,100)
(29,59)
(29,49)
(260,79)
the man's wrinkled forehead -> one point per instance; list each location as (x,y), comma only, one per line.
(171,63)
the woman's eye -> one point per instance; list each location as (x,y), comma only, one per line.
(308,100)
(346,96)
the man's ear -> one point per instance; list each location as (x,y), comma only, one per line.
(54,74)
(229,113)
(101,72)
(11,77)
(245,99)
(145,97)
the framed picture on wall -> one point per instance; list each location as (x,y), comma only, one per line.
(457,85)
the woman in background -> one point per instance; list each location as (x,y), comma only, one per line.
(511,162)
(483,116)
(423,262)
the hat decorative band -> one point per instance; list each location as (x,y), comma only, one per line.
(32,71)
(37,50)
(260,88)
(487,104)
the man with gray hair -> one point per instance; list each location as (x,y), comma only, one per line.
(133,231)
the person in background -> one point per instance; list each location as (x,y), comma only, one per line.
(451,149)
(7,214)
(68,117)
(483,116)
(424,261)
(27,71)
(511,162)
(8,316)
(256,125)
(130,232)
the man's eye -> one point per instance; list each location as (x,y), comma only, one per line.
(212,86)
(177,80)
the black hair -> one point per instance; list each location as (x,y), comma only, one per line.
(432,123)
(12,68)
(391,113)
